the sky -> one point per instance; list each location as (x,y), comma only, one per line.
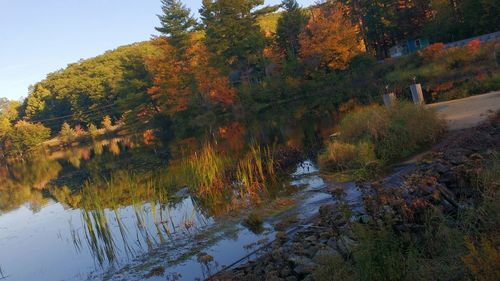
(38,37)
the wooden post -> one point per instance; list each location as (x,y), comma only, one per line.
(389,99)
(416,94)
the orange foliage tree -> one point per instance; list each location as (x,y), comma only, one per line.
(170,89)
(211,84)
(330,38)
(189,79)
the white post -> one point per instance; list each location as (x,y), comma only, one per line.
(389,99)
(416,94)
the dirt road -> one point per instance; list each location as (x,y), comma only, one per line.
(467,112)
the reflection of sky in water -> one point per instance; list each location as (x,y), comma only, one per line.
(45,245)
(55,243)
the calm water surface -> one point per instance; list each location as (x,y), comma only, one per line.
(112,210)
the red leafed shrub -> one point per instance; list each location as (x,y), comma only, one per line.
(433,51)
(149,137)
(473,46)
(444,86)
(480,77)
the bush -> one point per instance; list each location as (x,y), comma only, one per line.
(387,134)
(341,155)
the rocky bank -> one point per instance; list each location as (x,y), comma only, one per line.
(443,178)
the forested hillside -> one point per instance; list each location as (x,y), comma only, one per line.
(241,57)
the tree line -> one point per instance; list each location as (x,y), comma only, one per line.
(225,63)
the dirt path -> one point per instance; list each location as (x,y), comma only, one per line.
(468,112)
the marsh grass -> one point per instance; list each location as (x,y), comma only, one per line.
(256,171)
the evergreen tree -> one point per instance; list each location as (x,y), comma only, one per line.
(232,33)
(176,23)
(290,25)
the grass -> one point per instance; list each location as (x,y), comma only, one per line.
(381,134)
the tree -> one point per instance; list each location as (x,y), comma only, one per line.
(171,89)
(67,133)
(331,40)
(92,129)
(107,123)
(443,25)
(26,136)
(35,102)
(232,34)
(10,110)
(5,127)
(290,25)
(176,23)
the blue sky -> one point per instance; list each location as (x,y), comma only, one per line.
(38,37)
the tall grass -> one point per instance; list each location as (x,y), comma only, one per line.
(386,134)
(255,171)
(205,171)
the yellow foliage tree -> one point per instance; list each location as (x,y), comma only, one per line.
(330,39)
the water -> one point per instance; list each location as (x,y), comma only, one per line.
(115,210)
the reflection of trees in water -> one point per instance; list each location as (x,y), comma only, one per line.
(22,182)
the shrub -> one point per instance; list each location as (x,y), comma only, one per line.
(386,134)
(341,155)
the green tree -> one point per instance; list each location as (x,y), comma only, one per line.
(232,34)
(35,102)
(5,127)
(26,136)
(67,133)
(176,23)
(92,129)
(443,25)
(10,109)
(290,24)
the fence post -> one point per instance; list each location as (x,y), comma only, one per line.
(416,94)
(389,99)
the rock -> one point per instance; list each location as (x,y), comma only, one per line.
(345,244)
(302,264)
(364,219)
(322,255)
(281,235)
(311,238)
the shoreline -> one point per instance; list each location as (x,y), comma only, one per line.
(432,181)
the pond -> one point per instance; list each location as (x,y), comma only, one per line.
(134,209)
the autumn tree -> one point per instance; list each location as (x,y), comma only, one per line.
(107,123)
(176,23)
(330,39)
(290,25)
(212,86)
(171,87)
